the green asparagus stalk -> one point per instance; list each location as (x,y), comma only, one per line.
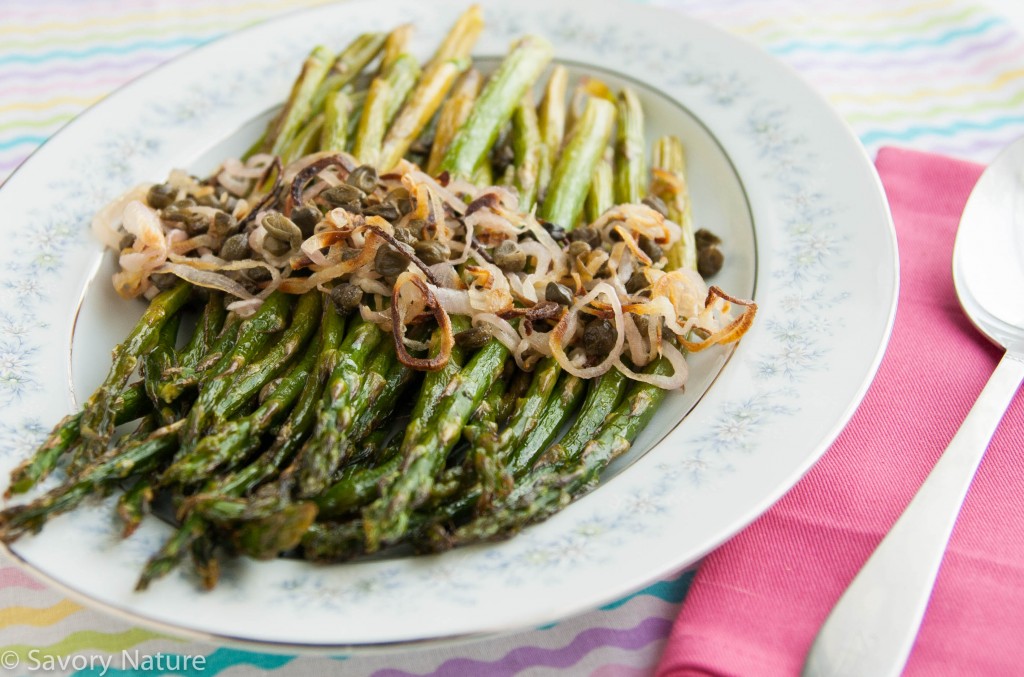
(128,406)
(669,183)
(451,58)
(495,105)
(98,416)
(602,189)
(396,44)
(387,519)
(386,94)
(563,403)
(158,360)
(551,120)
(338,110)
(300,104)
(137,456)
(346,67)
(528,148)
(253,334)
(305,141)
(571,179)
(630,162)
(453,114)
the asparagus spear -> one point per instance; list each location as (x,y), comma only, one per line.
(495,105)
(551,120)
(159,359)
(300,104)
(570,181)
(453,114)
(387,519)
(253,334)
(97,421)
(231,441)
(289,438)
(396,44)
(385,96)
(136,456)
(128,406)
(669,183)
(349,64)
(451,58)
(602,189)
(338,110)
(630,163)
(562,405)
(528,148)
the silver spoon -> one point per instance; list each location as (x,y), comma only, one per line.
(872,628)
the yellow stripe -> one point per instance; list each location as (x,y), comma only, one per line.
(50,103)
(164,30)
(852,17)
(937,111)
(866,32)
(27,615)
(998,83)
(89,639)
(153,17)
(38,123)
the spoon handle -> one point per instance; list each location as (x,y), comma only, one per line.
(872,628)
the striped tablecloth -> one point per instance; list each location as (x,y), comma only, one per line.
(939,75)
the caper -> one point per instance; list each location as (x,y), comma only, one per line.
(472,339)
(577,249)
(401,200)
(182,204)
(235,248)
(161,195)
(208,200)
(586,234)
(650,247)
(709,261)
(390,262)
(194,223)
(388,212)
(224,224)
(556,231)
(258,274)
(558,293)
(347,297)
(306,219)
(636,282)
(364,178)
(163,281)
(599,338)
(509,257)
(275,246)
(127,240)
(432,251)
(344,196)
(282,228)
(643,324)
(348,253)
(657,204)
(406,236)
(419,227)
(705,238)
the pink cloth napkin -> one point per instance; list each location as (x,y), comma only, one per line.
(757,602)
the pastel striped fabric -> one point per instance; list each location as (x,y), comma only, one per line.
(939,75)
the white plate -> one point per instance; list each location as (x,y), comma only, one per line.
(768,158)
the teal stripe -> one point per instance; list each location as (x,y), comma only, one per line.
(20,140)
(673,591)
(98,50)
(217,661)
(889,135)
(899,46)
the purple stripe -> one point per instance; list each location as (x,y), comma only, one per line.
(130,64)
(850,62)
(649,630)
